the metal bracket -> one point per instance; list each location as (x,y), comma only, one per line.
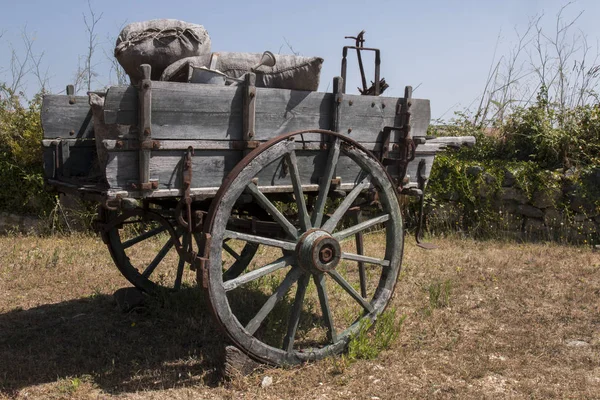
(422,181)
(152,185)
(249,106)
(201,263)
(186,199)
(406,147)
(379,85)
(71,93)
(338,98)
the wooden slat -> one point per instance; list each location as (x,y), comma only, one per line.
(60,118)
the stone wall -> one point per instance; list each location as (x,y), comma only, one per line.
(18,223)
(564,210)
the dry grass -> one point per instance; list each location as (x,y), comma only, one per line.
(484,319)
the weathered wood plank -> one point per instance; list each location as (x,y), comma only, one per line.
(363,117)
(211,166)
(194,111)
(76,158)
(61,119)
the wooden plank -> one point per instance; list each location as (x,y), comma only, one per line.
(364,117)
(79,161)
(61,119)
(311,142)
(211,166)
(195,111)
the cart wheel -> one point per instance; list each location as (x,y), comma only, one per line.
(148,250)
(309,287)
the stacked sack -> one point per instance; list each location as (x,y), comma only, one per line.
(159,43)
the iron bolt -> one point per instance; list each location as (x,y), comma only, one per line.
(326,254)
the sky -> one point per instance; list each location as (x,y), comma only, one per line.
(443,48)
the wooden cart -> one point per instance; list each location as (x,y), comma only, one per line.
(283,205)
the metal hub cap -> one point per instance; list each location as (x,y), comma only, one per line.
(318,251)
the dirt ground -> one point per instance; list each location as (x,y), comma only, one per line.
(483,320)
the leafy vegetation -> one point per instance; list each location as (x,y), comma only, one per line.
(22,189)
(367,343)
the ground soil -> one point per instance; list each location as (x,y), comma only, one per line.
(483,320)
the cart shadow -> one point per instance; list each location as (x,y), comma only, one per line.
(172,343)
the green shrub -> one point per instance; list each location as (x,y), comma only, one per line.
(22,189)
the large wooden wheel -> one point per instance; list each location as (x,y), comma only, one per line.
(320,274)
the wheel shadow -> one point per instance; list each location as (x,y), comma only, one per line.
(170,342)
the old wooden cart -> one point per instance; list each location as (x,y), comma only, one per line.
(283,205)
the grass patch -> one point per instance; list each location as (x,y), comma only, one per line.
(367,343)
(439,294)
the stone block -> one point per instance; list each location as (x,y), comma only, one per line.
(509,179)
(552,217)
(546,198)
(515,194)
(529,211)
(536,228)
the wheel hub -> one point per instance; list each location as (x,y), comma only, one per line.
(318,251)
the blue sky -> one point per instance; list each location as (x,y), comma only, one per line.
(443,47)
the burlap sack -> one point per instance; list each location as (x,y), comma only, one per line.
(289,72)
(160,43)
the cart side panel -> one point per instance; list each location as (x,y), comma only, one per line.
(69,150)
(209,112)
(209,118)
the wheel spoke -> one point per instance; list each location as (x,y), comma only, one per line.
(332,159)
(260,240)
(143,236)
(291,277)
(298,193)
(231,251)
(187,243)
(159,257)
(324,300)
(361,266)
(281,262)
(288,341)
(241,262)
(350,290)
(271,209)
(332,222)
(361,227)
(365,259)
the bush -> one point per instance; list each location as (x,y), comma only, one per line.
(22,189)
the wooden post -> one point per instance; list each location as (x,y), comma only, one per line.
(145,125)
(338,97)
